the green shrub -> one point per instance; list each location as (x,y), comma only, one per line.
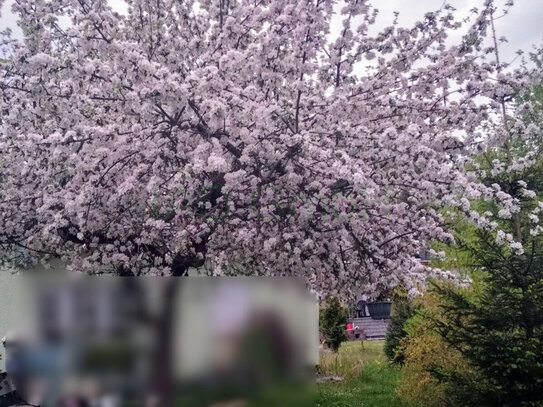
(423,351)
(481,346)
(402,310)
(333,318)
(497,328)
(499,333)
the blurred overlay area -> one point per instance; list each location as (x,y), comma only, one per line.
(146,341)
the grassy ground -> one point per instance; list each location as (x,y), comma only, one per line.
(369,381)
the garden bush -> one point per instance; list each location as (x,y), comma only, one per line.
(499,333)
(402,310)
(483,346)
(424,352)
(333,318)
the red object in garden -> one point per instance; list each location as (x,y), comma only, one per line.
(349,326)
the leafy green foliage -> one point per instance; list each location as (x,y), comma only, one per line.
(402,310)
(500,334)
(499,331)
(333,319)
(424,351)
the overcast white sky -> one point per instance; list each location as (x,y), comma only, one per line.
(523,27)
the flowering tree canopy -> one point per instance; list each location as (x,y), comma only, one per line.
(246,135)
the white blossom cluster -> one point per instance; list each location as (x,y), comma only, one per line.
(243,137)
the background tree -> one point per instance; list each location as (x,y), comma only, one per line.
(333,320)
(424,351)
(402,310)
(500,331)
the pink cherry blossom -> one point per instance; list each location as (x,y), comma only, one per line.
(242,137)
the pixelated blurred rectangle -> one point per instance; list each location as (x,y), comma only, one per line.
(162,341)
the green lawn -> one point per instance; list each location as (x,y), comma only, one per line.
(369,381)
